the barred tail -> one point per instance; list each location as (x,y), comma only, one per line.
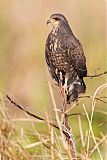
(74,89)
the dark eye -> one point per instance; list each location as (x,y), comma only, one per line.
(56,18)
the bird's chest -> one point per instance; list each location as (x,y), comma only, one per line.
(54,45)
(57,51)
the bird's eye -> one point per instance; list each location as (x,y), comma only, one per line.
(56,18)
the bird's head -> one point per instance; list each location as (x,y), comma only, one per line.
(57,20)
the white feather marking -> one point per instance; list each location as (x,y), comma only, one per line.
(55,44)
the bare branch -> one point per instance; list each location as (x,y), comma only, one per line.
(66,133)
(96,75)
(21,107)
(70,139)
(90,97)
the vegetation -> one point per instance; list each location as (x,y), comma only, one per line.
(17,143)
(23,77)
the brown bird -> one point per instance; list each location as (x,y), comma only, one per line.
(65,57)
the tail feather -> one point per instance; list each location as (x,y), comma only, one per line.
(74,89)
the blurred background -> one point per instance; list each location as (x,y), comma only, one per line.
(23,32)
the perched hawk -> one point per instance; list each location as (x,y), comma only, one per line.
(65,57)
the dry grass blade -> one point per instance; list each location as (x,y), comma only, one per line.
(2,108)
(10,148)
(99,89)
(52,143)
(103,112)
(95,147)
(91,130)
(59,146)
(35,144)
(81,131)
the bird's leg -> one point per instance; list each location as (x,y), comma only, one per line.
(64,87)
(61,79)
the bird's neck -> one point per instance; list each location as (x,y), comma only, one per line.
(55,30)
(62,29)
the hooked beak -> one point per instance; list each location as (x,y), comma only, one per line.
(48,22)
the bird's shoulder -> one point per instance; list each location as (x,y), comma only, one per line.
(77,55)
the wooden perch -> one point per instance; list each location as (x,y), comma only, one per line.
(70,140)
(71,149)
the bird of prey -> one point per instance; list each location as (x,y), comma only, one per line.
(65,58)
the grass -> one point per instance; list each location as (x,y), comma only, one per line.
(31,139)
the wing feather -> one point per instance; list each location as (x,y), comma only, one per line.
(77,56)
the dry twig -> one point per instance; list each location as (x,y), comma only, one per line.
(96,75)
(35,116)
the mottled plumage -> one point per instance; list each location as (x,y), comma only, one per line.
(64,54)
